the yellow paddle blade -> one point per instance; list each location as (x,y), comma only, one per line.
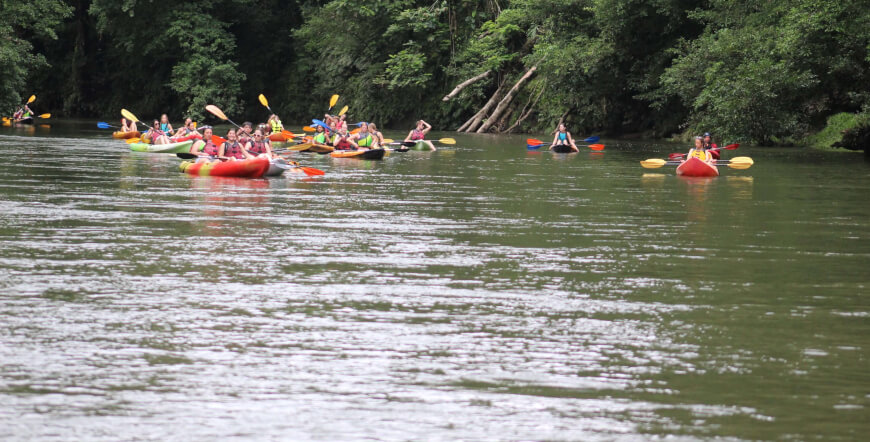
(300,147)
(741,163)
(263,100)
(31,99)
(216,111)
(343,110)
(194,124)
(333,100)
(129,115)
(308,129)
(132,140)
(388,140)
(447,141)
(653,163)
(45,116)
(6,119)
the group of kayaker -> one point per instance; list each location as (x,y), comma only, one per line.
(704,149)
(22,114)
(333,132)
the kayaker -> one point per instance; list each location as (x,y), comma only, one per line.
(342,122)
(233,150)
(259,145)
(379,137)
(320,136)
(244,134)
(363,139)
(156,135)
(128,126)
(340,140)
(710,146)
(275,124)
(205,148)
(419,133)
(564,138)
(165,127)
(187,131)
(699,151)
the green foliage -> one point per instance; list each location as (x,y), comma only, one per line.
(836,125)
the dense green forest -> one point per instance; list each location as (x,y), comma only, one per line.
(763,71)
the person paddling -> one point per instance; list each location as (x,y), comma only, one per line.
(232,150)
(245,134)
(128,126)
(165,127)
(205,148)
(379,137)
(340,140)
(320,136)
(419,133)
(710,146)
(699,151)
(275,124)
(156,135)
(187,132)
(363,139)
(563,138)
(259,145)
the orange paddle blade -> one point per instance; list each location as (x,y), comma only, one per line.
(310,171)
(596,146)
(355,131)
(534,142)
(308,129)
(218,140)
(216,111)
(288,134)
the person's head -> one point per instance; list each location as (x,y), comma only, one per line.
(707,137)
(247,126)
(207,133)
(699,143)
(273,117)
(164,119)
(342,117)
(258,135)
(372,127)
(231,135)
(562,127)
(188,122)
(156,124)
(363,127)
(318,129)
(419,124)
(343,131)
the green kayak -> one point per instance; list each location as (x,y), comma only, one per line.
(181,147)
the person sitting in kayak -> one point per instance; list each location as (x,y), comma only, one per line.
(187,132)
(379,137)
(205,148)
(275,124)
(245,134)
(128,126)
(165,127)
(23,113)
(419,133)
(340,140)
(320,136)
(700,152)
(259,145)
(710,146)
(363,139)
(233,150)
(156,135)
(563,138)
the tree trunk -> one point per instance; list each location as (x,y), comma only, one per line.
(464,84)
(506,100)
(474,121)
(527,110)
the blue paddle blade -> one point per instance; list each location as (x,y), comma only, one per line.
(103,125)
(321,124)
(592,139)
(533,146)
(359,124)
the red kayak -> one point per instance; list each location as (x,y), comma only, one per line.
(277,137)
(695,167)
(254,168)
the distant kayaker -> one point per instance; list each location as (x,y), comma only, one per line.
(23,113)
(259,145)
(205,148)
(699,151)
(710,146)
(128,126)
(245,133)
(187,132)
(156,135)
(275,124)
(320,136)
(379,137)
(233,150)
(563,138)
(340,140)
(363,139)
(165,127)
(419,133)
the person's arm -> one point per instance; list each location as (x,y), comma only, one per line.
(555,140)
(352,140)
(221,151)
(571,141)
(408,138)
(427,127)
(268,147)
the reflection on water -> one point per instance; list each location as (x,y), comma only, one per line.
(483,292)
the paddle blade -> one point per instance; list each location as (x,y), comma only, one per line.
(310,171)
(308,129)
(653,163)
(333,100)
(533,146)
(218,140)
(342,111)
(186,156)
(103,125)
(31,99)
(676,156)
(132,140)
(355,131)
(447,141)
(388,140)
(45,116)
(741,163)
(263,100)
(596,146)
(593,139)
(214,110)
(534,142)
(129,115)
(732,146)
(288,134)
(6,119)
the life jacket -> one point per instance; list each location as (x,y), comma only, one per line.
(341,143)
(365,141)
(563,137)
(320,138)
(257,147)
(417,135)
(210,149)
(233,150)
(164,127)
(277,127)
(700,154)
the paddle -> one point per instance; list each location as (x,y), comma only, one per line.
(440,140)
(535,144)
(104,125)
(308,129)
(677,156)
(332,101)
(265,102)
(342,111)
(214,110)
(734,163)
(44,116)
(310,171)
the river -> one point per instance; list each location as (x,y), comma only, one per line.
(479,292)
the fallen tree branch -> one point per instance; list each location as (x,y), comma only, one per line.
(506,101)
(464,84)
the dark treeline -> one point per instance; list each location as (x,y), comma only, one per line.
(749,70)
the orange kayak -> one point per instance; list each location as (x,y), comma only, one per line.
(278,138)
(369,154)
(695,167)
(253,168)
(125,135)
